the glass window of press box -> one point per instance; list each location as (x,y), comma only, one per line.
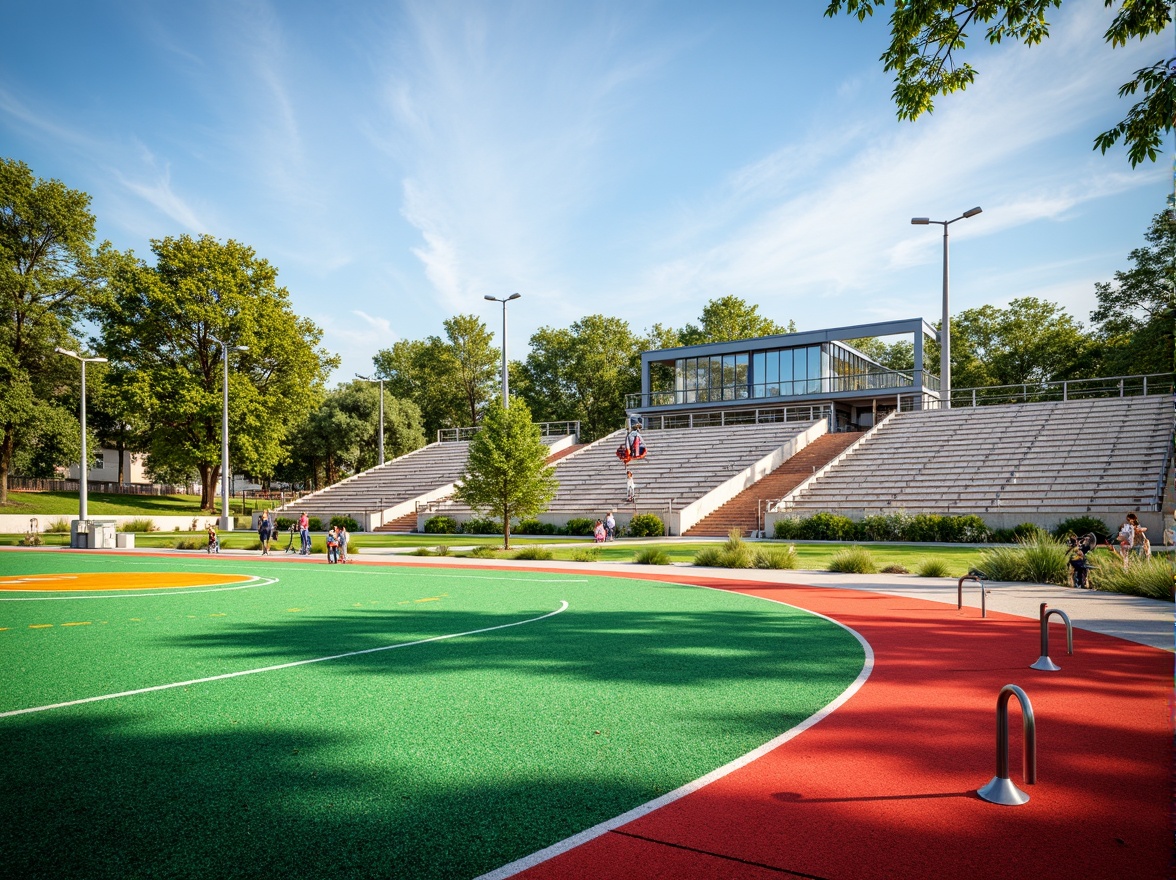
(782,372)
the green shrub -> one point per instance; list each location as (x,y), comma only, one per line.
(314,524)
(827,527)
(853,560)
(924,527)
(969,529)
(709,557)
(787,529)
(651,556)
(344,522)
(932,567)
(884,527)
(138,525)
(32,539)
(579,526)
(534,527)
(57,526)
(775,557)
(538,553)
(1081,525)
(440,525)
(422,551)
(1152,578)
(283,523)
(189,544)
(646,525)
(442,550)
(895,568)
(1041,559)
(1003,536)
(586,554)
(1028,531)
(485,551)
(483,526)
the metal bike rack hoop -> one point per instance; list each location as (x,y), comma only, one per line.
(1000,789)
(1043,663)
(960,593)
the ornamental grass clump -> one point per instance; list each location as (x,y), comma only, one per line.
(533,552)
(776,557)
(932,567)
(586,554)
(651,556)
(484,551)
(1037,558)
(1151,578)
(853,560)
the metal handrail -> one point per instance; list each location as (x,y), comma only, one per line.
(546,429)
(1065,390)
(1043,663)
(733,418)
(960,593)
(1000,789)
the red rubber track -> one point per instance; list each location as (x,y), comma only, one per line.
(885,786)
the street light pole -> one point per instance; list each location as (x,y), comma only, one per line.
(226,522)
(84,469)
(505,381)
(381,381)
(945,326)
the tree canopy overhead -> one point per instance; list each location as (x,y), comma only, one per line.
(159,325)
(928,36)
(47,273)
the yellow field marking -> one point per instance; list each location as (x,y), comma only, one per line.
(40,625)
(430,599)
(218,614)
(3,628)
(293,610)
(78,623)
(133,580)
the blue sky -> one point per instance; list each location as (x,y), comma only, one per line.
(399,161)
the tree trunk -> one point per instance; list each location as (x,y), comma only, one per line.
(6,463)
(122,449)
(506,529)
(209,475)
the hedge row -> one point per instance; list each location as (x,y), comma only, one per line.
(642,525)
(921,527)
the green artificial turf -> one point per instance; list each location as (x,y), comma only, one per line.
(443,759)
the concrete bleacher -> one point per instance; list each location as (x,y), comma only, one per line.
(682,467)
(1084,456)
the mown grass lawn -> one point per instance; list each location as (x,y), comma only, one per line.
(43,504)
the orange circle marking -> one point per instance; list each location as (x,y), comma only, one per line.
(135,580)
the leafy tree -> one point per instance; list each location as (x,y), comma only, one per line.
(926,38)
(1030,341)
(116,411)
(730,318)
(507,474)
(46,274)
(1136,313)
(158,325)
(899,355)
(582,373)
(450,380)
(339,437)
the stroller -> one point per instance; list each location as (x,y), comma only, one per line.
(1080,548)
(290,548)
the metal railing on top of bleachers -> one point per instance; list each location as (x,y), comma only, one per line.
(723,418)
(1064,390)
(546,429)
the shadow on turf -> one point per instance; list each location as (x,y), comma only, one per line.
(98,799)
(666,648)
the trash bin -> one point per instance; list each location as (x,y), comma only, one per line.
(79,534)
(125,540)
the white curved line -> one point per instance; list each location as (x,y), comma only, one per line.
(563,606)
(135,594)
(550,852)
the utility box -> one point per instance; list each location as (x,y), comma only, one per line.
(125,540)
(102,534)
(79,534)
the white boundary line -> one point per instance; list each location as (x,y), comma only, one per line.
(136,594)
(550,852)
(563,606)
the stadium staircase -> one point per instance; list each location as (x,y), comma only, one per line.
(1106,455)
(743,512)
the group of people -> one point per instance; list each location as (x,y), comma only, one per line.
(605,529)
(1130,540)
(337,537)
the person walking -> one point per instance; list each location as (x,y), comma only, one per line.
(304,531)
(332,546)
(630,487)
(342,537)
(265,531)
(610,527)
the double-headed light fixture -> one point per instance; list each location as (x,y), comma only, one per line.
(504,301)
(84,470)
(945,327)
(226,522)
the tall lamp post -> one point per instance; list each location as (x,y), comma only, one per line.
(83,471)
(226,522)
(505,385)
(381,381)
(945,328)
